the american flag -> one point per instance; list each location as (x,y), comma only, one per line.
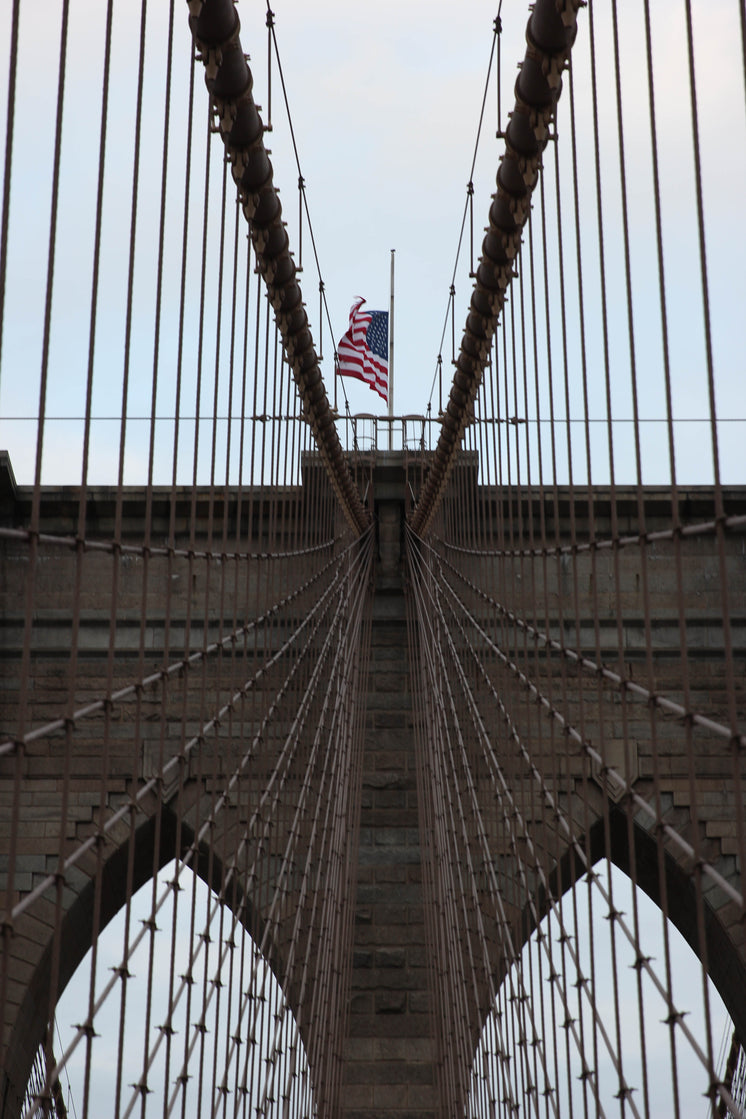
(364,349)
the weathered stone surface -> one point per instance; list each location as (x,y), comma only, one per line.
(389,1056)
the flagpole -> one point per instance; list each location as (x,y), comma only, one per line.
(391,357)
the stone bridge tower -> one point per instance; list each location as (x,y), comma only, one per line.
(649,802)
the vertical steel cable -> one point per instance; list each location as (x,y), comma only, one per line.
(550,34)
(33,549)
(7,928)
(147,568)
(9,130)
(215,26)
(540,652)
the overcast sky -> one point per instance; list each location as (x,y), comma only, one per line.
(385,106)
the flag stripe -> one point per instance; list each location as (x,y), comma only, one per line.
(356,358)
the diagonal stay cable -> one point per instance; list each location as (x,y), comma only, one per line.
(323,737)
(330,648)
(556,811)
(191,854)
(512,817)
(584,745)
(178,758)
(175,668)
(435,648)
(508,945)
(601,671)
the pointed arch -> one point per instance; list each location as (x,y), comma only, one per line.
(76,930)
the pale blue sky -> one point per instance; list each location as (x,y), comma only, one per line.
(385,108)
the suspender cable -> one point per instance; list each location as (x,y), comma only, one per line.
(550,34)
(215,26)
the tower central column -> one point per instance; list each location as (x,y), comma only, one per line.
(389,1053)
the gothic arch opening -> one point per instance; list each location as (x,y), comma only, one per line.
(203,1017)
(191,911)
(606,1001)
(725,964)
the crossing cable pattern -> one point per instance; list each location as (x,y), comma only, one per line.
(513,817)
(257,795)
(580,726)
(181,737)
(182,730)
